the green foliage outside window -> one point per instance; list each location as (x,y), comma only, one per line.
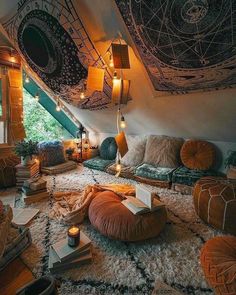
(39,123)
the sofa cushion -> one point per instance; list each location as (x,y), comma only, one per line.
(60,168)
(135,154)
(98,163)
(126,171)
(51,153)
(108,149)
(163,151)
(158,173)
(197,154)
(186,176)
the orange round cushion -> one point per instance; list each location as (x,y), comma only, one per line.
(112,219)
(215,202)
(197,154)
(218,261)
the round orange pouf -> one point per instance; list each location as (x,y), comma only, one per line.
(112,219)
(197,154)
(218,260)
(215,202)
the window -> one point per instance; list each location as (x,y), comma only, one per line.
(39,123)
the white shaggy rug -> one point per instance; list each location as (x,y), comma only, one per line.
(125,268)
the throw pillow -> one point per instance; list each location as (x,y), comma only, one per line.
(135,154)
(51,153)
(163,151)
(197,154)
(108,149)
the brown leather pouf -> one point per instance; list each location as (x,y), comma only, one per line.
(215,202)
(112,219)
(218,260)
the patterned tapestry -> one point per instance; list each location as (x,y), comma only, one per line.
(185,45)
(54,43)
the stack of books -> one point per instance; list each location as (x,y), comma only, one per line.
(34,190)
(144,202)
(24,172)
(63,257)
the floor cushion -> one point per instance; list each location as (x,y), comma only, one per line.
(197,154)
(57,169)
(186,176)
(126,171)
(108,149)
(51,153)
(163,151)
(112,219)
(215,202)
(98,163)
(135,154)
(218,261)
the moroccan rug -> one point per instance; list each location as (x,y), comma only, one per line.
(120,267)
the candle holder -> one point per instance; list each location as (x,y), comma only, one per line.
(73,236)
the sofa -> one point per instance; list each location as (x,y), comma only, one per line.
(162,161)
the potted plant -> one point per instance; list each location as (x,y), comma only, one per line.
(69,152)
(25,150)
(230,163)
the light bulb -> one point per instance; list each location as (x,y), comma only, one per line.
(58,108)
(27,79)
(82,95)
(36,97)
(122,122)
(115,77)
(111,62)
(118,166)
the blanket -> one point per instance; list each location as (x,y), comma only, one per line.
(72,207)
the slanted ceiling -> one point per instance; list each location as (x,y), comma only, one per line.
(208,115)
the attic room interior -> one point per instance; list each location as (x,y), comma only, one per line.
(117,147)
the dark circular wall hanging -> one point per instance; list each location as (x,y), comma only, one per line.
(49,50)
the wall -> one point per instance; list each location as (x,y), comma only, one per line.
(209,115)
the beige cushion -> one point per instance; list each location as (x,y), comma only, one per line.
(163,151)
(67,166)
(134,156)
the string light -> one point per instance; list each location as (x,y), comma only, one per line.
(36,96)
(58,107)
(115,76)
(122,122)
(27,79)
(82,95)
(84,88)
(111,62)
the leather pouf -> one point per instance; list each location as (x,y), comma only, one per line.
(215,202)
(108,149)
(112,219)
(218,260)
(197,154)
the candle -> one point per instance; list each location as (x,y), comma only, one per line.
(73,236)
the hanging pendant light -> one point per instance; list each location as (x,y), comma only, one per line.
(122,122)
(111,62)
(83,91)
(27,80)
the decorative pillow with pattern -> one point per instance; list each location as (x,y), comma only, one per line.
(163,151)
(51,153)
(135,154)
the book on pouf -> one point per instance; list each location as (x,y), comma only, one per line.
(63,257)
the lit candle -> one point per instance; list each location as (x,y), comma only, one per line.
(73,236)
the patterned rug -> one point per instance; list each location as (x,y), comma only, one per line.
(119,267)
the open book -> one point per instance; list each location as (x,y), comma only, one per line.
(144,202)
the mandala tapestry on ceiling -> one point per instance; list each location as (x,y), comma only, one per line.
(185,45)
(53,42)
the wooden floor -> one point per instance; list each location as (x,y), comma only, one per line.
(13,277)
